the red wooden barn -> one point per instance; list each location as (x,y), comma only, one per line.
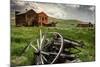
(30,18)
(42,18)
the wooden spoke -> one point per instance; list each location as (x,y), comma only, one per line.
(44,53)
(47,44)
(38,44)
(40,38)
(41,59)
(34,47)
(27,48)
(44,58)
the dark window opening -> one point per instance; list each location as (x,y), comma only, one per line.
(42,18)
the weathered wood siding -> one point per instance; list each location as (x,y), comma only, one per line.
(31,18)
(42,18)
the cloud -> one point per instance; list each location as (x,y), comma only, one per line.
(58,10)
(92,8)
(73,5)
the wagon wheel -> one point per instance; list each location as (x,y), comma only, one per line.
(45,51)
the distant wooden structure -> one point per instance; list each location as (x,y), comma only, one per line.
(85,24)
(31,18)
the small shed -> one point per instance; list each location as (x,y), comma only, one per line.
(85,24)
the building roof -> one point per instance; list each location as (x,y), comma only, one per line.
(81,22)
(42,13)
(21,12)
(25,11)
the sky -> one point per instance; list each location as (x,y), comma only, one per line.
(84,13)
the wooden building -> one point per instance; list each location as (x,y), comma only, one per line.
(85,24)
(30,18)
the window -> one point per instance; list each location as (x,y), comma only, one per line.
(42,18)
(45,18)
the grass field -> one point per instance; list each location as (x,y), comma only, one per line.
(21,36)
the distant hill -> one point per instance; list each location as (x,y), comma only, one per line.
(63,20)
(64,23)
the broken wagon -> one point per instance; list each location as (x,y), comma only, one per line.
(52,48)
